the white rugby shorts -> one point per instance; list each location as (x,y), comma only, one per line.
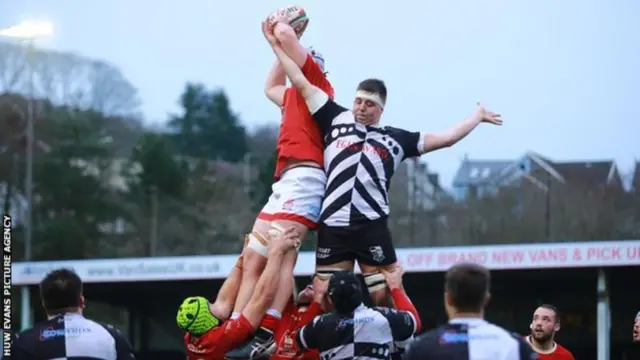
(296,196)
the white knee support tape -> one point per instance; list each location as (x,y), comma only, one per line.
(258,244)
(327,273)
(375,281)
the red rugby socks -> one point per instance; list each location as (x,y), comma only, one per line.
(270,323)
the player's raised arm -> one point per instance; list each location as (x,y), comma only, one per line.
(292,70)
(288,39)
(275,85)
(320,105)
(403,303)
(266,287)
(229,291)
(289,25)
(435,141)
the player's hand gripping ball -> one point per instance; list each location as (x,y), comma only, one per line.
(295,16)
(195,317)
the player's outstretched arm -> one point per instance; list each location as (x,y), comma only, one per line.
(275,85)
(294,73)
(266,287)
(435,141)
(288,39)
(402,301)
(229,291)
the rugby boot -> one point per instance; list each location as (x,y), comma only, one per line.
(255,348)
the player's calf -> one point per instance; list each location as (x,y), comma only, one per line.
(254,257)
(263,340)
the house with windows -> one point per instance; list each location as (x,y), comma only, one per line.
(481,177)
(415,188)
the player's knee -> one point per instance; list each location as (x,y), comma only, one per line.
(376,283)
(253,258)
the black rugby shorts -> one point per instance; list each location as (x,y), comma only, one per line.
(369,243)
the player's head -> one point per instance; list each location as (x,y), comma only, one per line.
(636,328)
(545,323)
(371,97)
(466,289)
(61,292)
(195,316)
(345,292)
(305,297)
(317,57)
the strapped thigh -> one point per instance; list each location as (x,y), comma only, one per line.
(258,243)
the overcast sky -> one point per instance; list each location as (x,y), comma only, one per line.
(564,74)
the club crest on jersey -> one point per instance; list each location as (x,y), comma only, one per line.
(195,349)
(288,205)
(377,253)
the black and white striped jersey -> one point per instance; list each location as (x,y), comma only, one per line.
(367,333)
(469,339)
(73,337)
(359,161)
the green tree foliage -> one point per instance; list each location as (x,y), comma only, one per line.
(154,165)
(72,186)
(261,189)
(207,127)
(11,144)
(154,176)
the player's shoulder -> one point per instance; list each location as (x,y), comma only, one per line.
(430,337)
(24,338)
(393,132)
(112,330)
(326,319)
(499,331)
(423,344)
(383,309)
(561,350)
(388,311)
(40,331)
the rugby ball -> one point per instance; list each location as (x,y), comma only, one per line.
(296,17)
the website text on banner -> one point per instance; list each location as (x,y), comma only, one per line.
(556,255)
(497,257)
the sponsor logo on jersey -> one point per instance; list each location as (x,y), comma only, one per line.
(453,337)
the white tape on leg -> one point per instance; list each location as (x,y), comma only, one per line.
(257,245)
(375,281)
(327,273)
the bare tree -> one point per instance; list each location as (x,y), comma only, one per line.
(262,142)
(13,67)
(68,79)
(110,92)
(528,213)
